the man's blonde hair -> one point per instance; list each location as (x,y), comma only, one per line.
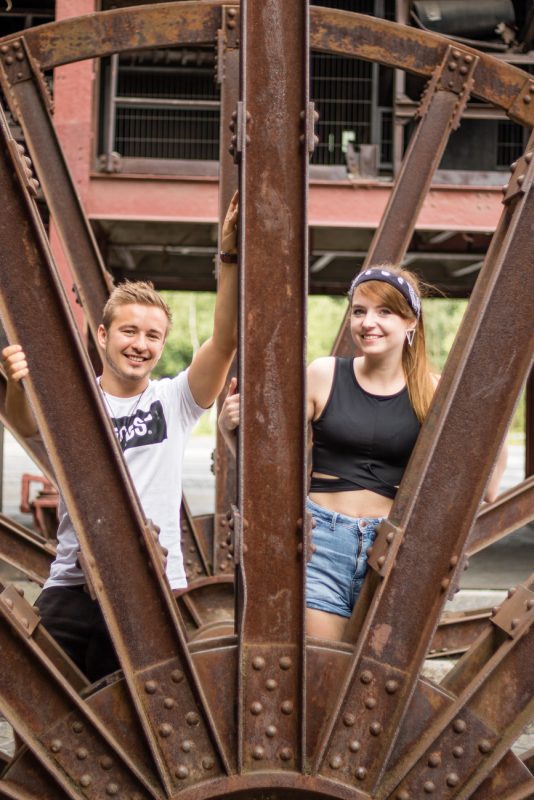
(141,292)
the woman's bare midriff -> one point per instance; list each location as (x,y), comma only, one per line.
(358,503)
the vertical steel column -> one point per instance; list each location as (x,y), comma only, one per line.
(228,79)
(273,140)
(439,114)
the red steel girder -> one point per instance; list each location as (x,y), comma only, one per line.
(274,133)
(140,611)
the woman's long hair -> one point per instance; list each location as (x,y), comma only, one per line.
(414,359)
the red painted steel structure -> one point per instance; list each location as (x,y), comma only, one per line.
(366,725)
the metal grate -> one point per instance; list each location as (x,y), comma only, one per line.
(510,143)
(165,104)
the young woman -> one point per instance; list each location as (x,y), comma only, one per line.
(365,414)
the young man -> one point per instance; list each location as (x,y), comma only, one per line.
(152,420)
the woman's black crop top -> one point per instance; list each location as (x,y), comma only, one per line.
(362,440)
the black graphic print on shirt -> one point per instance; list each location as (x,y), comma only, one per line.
(144,427)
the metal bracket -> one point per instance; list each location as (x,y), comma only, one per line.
(18,66)
(23,167)
(523,106)
(227,38)
(241,120)
(18,611)
(381,556)
(521,179)
(309,118)
(454,74)
(516,614)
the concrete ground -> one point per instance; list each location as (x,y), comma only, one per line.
(491,572)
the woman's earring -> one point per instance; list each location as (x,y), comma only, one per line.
(410,336)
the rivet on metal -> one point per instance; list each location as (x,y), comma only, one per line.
(151,687)
(390,537)
(445,583)
(468,59)
(366,676)
(434,760)
(9,60)
(349,719)
(520,180)
(528,156)
(453,561)
(192,718)
(286,754)
(258,753)
(168,702)
(285,662)
(513,589)
(165,730)
(452,65)
(271,731)
(56,745)
(256,708)
(375,728)
(4,49)
(77,727)
(187,745)
(403,795)
(370,702)
(456,54)
(208,762)
(112,789)
(463,70)
(484,746)
(354,746)
(392,686)
(271,684)
(381,561)
(81,754)
(336,762)
(429,787)
(16,45)
(452,779)
(459,725)
(106,762)
(258,663)
(85,780)
(181,772)
(20,56)
(177,676)
(361,773)
(526,99)
(457,752)
(286,707)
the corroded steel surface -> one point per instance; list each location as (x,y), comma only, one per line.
(262,715)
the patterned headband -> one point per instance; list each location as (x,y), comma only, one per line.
(402,285)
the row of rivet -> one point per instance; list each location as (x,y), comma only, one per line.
(520,178)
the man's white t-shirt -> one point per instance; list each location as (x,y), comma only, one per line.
(152,434)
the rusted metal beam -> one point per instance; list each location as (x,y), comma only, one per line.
(25,550)
(125,568)
(529,426)
(228,79)
(31,444)
(48,714)
(196,561)
(457,632)
(28,98)
(484,720)
(510,511)
(417,577)
(358,35)
(439,114)
(274,135)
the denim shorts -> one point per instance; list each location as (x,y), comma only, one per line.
(335,573)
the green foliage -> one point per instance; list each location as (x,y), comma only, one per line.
(193,320)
